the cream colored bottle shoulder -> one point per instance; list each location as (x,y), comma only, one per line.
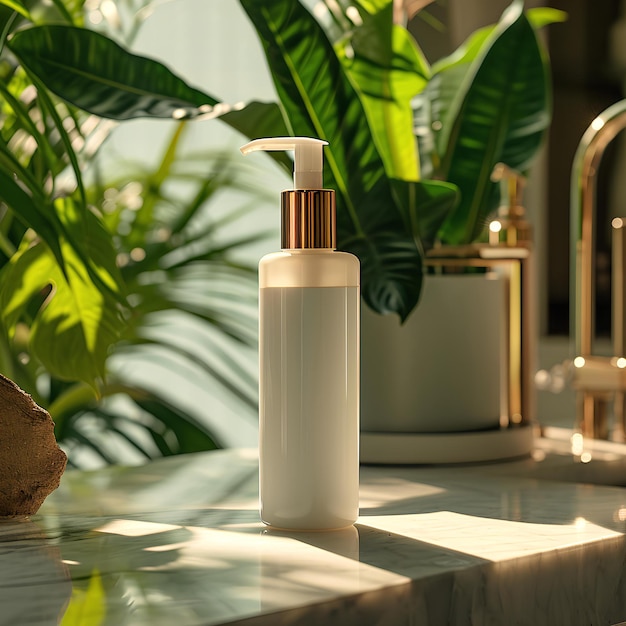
(309,268)
(309,389)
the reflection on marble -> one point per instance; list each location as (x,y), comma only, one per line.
(179,542)
(195,575)
(35,586)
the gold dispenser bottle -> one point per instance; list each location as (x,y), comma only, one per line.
(514,232)
(508,254)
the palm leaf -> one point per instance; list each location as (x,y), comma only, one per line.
(34,212)
(77,313)
(203,345)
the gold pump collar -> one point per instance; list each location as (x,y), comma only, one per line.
(308,219)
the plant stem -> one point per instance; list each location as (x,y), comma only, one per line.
(6,29)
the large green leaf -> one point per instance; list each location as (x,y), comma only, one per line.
(17,6)
(497,109)
(97,75)
(450,72)
(388,69)
(320,101)
(427,204)
(34,212)
(77,315)
(474,45)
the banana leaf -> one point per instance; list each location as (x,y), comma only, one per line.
(388,69)
(426,206)
(492,102)
(320,101)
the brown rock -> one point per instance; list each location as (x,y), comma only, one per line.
(31,462)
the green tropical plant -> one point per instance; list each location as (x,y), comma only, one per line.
(93,271)
(382,213)
(83,68)
(488,102)
(192,314)
(363,84)
(361,103)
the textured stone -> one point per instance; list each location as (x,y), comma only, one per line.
(31,462)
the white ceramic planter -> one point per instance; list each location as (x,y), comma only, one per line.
(445,369)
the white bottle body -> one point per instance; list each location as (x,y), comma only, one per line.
(309,389)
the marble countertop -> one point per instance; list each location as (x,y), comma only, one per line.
(179,542)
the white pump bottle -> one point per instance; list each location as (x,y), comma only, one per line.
(309,299)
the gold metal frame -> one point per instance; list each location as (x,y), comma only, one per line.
(596,379)
(513,266)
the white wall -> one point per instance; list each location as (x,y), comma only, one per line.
(212,45)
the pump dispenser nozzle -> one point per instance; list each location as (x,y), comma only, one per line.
(308,210)
(308,157)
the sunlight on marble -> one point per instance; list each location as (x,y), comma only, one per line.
(134,528)
(165,547)
(380,491)
(489,539)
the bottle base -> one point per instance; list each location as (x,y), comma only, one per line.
(308,528)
